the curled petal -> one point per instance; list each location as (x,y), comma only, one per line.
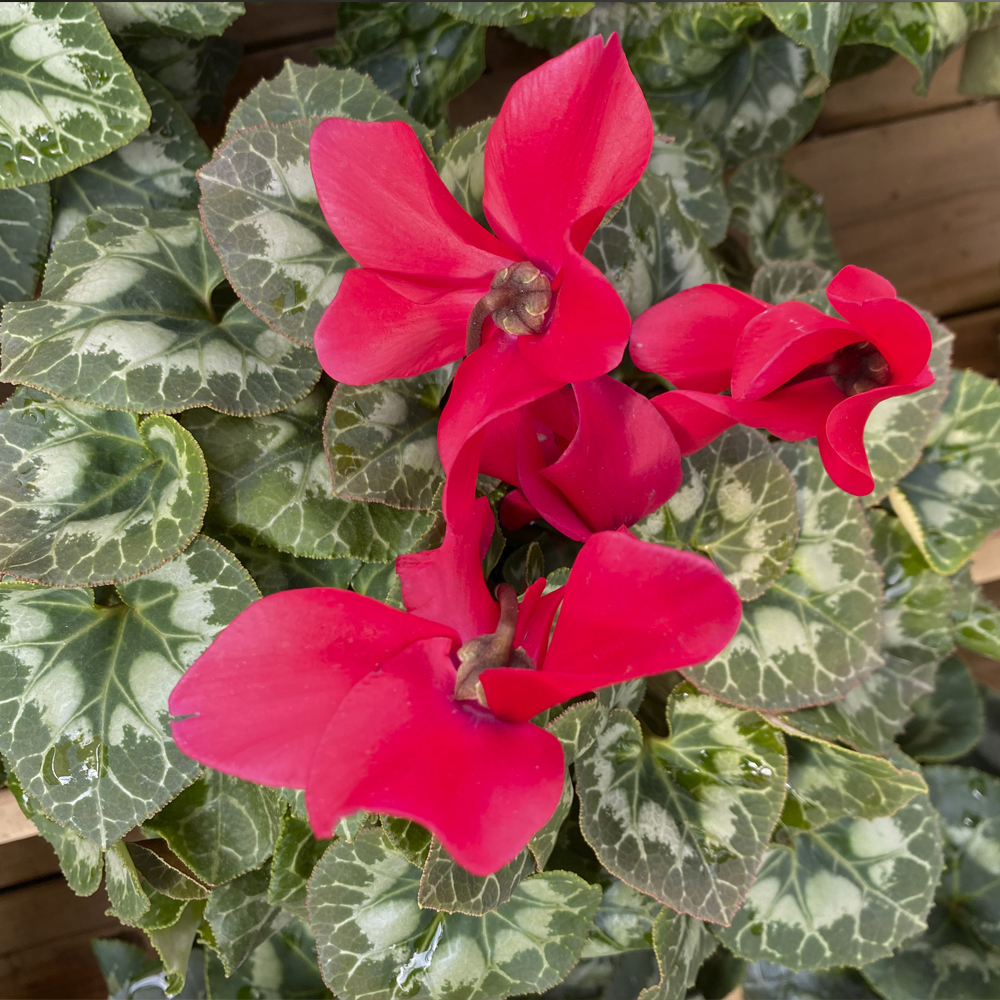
(900,333)
(572,138)
(499,451)
(852,285)
(516,512)
(695,418)
(535,615)
(402,745)
(261,696)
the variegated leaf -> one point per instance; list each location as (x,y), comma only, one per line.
(411,839)
(784,280)
(737,505)
(68,95)
(461,163)
(271,484)
(192,20)
(976,618)
(817,26)
(948,721)
(375,941)
(296,853)
(128,902)
(624,921)
(162,877)
(126,321)
(682,944)
(503,14)
(447,886)
(578,726)
(685,819)
(543,843)
(818,630)
(83,706)
(25,226)
(92,496)
(174,945)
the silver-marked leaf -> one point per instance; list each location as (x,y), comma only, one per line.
(827,783)
(818,630)
(128,901)
(460,163)
(543,843)
(578,726)
(767,981)
(976,618)
(503,14)
(162,914)
(783,218)
(783,280)
(220,826)
(271,484)
(191,20)
(681,944)
(945,962)
(898,428)
(91,496)
(445,885)
(241,917)
(737,505)
(84,699)
(948,721)
(380,581)
(381,439)
(685,819)
(917,638)
(411,839)
(624,922)
(68,95)
(817,26)
(155,169)
(376,942)
(125,320)
(296,853)
(951,500)
(309,91)
(163,877)
(25,225)
(174,943)
(845,894)
(649,249)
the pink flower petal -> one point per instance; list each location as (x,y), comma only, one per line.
(400,744)
(516,512)
(261,696)
(572,138)
(499,451)
(899,332)
(853,285)
(534,620)
(695,418)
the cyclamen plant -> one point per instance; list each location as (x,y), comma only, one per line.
(534,648)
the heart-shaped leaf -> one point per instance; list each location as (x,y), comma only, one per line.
(192,20)
(784,280)
(25,225)
(685,819)
(817,26)
(682,944)
(91,496)
(624,921)
(447,886)
(543,843)
(69,96)
(818,630)
(121,880)
(296,853)
(461,164)
(163,877)
(737,505)
(83,704)
(126,321)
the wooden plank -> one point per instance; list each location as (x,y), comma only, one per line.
(986,560)
(26,861)
(977,341)
(918,201)
(14,825)
(268,24)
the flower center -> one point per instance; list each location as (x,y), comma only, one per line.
(518,299)
(854,369)
(487,652)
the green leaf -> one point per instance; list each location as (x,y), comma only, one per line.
(381,582)
(817,26)
(624,922)
(783,218)
(578,726)
(947,722)
(951,501)
(163,877)
(381,439)
(976,618)
(737,505)
(685,819)
(817,631)
(128,901)
(220,827)
(649,249)
(296,852)
(83,705)
(503,14)
(917,637)
(69,96)
(271,484)
(376,942)
(767,981)
(92,496)
(122,964)
(844,894)
(421,56)
(446,885)
(981,64)
(241,917)
(156,169)
(543,843)
(783,280)
(191,20)
(126,321)
(461,163)
(682,944)
(411,839)
(25,225)
(173,944)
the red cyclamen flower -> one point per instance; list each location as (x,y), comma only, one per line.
(572,139)
(791,368)
(425,715)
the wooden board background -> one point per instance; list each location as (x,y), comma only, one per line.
(912,189)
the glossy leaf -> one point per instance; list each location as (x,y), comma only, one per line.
(174,945)
(411,839)
(951,501)
(381,439)
(125,320)
(121,880)
(681,944)
(578,726)
(163,877)
(503,14)
(192,20)
(380,581)
(818,630)
(976,618)
(543,843)
(817,26)
(296,852)
(784,280)
(461,162)
(624,921)
(25,226)
(685,819)
(220,826)
(69,96)
(271,484)
(947,722)
(83,707)
(446,886)
(737,505)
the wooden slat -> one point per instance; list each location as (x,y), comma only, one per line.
(26,861)
(977,341)
(14,825)
(918,201)
(986,561)
(265,25)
